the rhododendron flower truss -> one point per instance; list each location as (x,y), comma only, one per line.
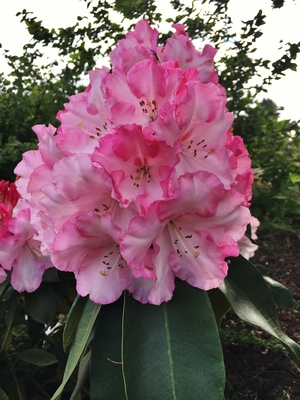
(143,181)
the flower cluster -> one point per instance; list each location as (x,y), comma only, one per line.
(143,180)
(19,248)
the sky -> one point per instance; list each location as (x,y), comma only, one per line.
(280,24)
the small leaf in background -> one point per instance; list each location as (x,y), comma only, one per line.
(173,350)
(41,304)
(106,366)
(37,357)
(3,395)
(251,299)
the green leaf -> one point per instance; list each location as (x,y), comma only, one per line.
(251,299)
(72,320)
(83,331)
(172,351)
(282,296)
(131,9)
(41,304)
(37,357)
(83,372)
(3,395)
(106,354)
(219,304)
(9,317)
(3,286)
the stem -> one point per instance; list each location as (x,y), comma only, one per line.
(39,388)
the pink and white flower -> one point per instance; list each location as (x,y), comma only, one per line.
(143,181)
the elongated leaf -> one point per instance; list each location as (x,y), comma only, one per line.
(83,372)
(282,296)
(3,286)
(37,357)
(106,369)
(251,299)
(72,320)
(172,351)
(83,331)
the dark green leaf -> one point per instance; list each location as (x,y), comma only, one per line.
(50,275)
(3,395)
(106,354)
(3,286)
(219,304)
(41,304)
(172,351)
(37,357)
(9,317)
(251,299)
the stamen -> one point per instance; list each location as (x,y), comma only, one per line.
(181,241)
(211,151)
(141,172)
(33,252)
(191,148)
(149,108)
(111,260)
(92,136)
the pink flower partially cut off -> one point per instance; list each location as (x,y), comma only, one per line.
(20,252)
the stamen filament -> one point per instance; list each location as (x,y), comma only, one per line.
(179,238)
